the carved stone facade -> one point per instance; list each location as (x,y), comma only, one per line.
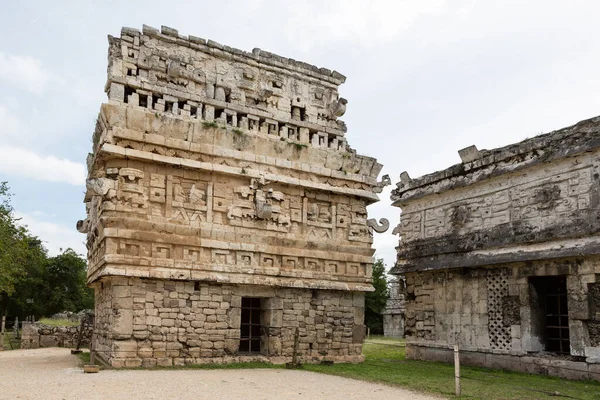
(217,177)
(501,254)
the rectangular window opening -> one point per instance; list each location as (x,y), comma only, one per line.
(251,329)
(128,92)
(550,312)
(155,98)
(143,100)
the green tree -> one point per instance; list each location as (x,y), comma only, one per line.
(27,286)
(65,288)
(56,284)
(14,248)
(375,301)
(31,283)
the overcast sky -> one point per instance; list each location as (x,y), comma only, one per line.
(425,79)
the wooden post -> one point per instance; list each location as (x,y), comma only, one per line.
(456,370)
(368,333)
(296,337)
(2,332)
(92,354)
(81,326)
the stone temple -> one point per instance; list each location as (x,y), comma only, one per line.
(225,209)
(501,255)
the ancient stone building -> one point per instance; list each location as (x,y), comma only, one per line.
(393,315)
(501,255)
(225,208)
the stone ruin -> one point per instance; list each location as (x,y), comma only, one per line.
(393,314)
(225,209)
(501,255)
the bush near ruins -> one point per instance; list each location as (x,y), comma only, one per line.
(375,301)
(31,283)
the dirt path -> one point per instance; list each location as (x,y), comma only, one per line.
(54,374)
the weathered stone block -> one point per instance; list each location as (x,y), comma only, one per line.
(122,323)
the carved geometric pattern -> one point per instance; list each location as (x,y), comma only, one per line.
(497,290)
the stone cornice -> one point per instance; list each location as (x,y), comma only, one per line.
(567,248)
(118,151)
(257,56)
(225,278)
(576,139)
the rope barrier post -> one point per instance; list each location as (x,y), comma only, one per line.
(2,332)
(456,370)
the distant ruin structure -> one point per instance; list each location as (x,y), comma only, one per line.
(393,314)
(501,255)
(225,209)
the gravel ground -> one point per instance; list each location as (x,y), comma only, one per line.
(54,373)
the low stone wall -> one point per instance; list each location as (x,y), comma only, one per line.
(36,335)
(563,367)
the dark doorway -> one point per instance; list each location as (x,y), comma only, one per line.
(250,325)
(551,312)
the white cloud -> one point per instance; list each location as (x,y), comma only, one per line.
(27,164)
(54,236)
(9,124)
(386,243)
(24,72)
(365,22)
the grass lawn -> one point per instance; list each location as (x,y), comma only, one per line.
(58,322)
(386,339)
(387,364)
(10,343)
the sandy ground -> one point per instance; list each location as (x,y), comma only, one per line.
(55,374)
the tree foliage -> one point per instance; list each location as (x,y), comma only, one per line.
(13,248)
(375,301)
(31,283)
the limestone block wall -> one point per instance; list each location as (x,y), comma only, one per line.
(149,322)
(490,309)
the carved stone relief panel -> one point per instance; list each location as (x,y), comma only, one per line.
(189,199)
(259,206)
(131,195)
(359,231)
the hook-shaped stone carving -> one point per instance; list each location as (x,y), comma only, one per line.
(385,181)
(383,226)
(83,226)
(99,186)
(396,230)
(337,108)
